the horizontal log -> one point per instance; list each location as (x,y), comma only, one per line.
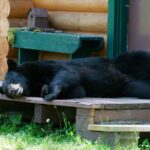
(13,53)
(73,5)
(52,56)
(79,21)
(4,47)
(17,22)
(4,8)
(19,8)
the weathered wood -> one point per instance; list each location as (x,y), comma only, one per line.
(73,5)
(97,103)
(4,8)
(38,18)
(119,127)
(82,123)
(84,117)
(85,112)
(135,114)
(56,42)
(76,45)
(40,113)
(19,8)
(79,21)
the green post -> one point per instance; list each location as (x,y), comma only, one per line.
(117,27)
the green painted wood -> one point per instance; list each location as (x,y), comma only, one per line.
(55,42)
(117,27)
(76,45)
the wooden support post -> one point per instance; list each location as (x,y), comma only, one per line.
(85,116)
(40,113)
(54,113)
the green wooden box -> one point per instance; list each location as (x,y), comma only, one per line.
(76,45)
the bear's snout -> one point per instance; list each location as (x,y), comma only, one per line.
(14,90)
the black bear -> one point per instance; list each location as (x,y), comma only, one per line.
(128,75)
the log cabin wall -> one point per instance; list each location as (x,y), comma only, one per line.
(13,13)
(77,16)
(4,46)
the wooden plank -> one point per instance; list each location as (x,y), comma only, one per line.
(102,116)
(82,123)
(84,117)
(85,112)
(120,128)
(54,42)
(46,41)
(97,103)
(40,113)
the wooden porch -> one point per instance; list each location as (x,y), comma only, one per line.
(111,119)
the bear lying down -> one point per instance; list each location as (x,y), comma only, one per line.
(126,76)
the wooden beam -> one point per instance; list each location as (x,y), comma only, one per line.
(120,128)
(97,103)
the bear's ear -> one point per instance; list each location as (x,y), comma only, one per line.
(11,64)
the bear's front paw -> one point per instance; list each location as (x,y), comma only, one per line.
(44,90)
(49,97)
(50,93)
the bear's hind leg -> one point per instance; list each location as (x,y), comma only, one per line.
(137,88)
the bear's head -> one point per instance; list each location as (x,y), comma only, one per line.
(15,83)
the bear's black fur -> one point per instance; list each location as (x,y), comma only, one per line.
(126,76)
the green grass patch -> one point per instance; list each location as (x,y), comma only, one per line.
(17,135)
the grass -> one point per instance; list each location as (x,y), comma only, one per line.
(16,135)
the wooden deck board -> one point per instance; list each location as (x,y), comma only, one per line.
(120,128)
(97,103)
